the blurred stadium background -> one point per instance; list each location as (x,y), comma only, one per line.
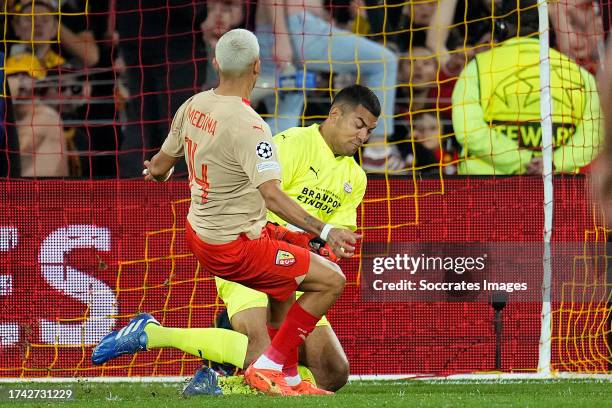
(90,88)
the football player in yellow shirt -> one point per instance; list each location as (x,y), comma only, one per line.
(319,172)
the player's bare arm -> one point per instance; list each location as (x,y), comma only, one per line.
(160,168)
(340,240)
(275,14)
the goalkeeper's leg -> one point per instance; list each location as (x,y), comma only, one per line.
(218,345)
(144,333)
(322,353)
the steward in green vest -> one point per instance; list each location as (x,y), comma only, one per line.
(496,104)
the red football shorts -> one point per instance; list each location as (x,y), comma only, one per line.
(264,264)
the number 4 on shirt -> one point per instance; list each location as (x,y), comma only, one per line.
(201,182)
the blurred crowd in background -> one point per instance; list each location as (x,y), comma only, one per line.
(91,92)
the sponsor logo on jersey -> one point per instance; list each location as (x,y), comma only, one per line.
(529,135)
(267,165)
(284,258)
(324,200)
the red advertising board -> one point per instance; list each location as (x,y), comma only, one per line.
(78,259)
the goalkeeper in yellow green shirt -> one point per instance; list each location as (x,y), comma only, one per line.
(319,172)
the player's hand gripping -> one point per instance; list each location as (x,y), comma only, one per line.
(149,177)
(342,242)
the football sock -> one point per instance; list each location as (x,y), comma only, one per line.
(292,381)
(218,345)
(271,332)
(290,368)
(267,363)
(297,326)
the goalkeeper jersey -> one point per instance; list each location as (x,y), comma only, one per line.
(328,187)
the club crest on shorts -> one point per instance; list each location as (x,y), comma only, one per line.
(284,258)
(264,150)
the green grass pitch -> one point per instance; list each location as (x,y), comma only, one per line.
(511,393)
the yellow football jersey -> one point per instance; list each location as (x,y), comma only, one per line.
(328,187)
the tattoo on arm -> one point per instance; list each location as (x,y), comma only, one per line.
(313,222)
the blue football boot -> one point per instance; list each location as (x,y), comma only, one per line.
(204,382)
(129,340)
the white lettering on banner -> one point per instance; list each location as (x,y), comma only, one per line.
(6,285)
(9,332)
(8,238)
(97,295)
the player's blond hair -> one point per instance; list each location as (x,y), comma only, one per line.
(236,51)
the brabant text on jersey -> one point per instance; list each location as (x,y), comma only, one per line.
(320,201)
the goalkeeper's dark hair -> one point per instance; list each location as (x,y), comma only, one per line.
(355,95)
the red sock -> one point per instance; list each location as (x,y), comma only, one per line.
(297,325)
(271,331)
(290,368)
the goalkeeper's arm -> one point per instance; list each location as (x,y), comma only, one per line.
(340,240)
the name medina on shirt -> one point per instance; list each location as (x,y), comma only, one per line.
(201,120)
(324,201)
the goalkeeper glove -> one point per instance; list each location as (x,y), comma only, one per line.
(302,239)
(318,246)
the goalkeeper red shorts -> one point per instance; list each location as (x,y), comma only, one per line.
(264,264)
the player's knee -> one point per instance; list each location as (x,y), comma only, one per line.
(337,282)
(252,323)
(336,374)
(339,374)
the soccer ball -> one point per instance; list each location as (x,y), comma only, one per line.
(264,150)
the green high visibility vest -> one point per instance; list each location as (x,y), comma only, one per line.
(509,79)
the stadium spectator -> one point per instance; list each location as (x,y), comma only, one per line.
(578,29)
(221,16)
(496,105)
(10,162)
(303,34)
(98,132)
(161,44)
(351,16)
(414,25)
(38,78)
(471,19)
(433,148)
(418,78)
